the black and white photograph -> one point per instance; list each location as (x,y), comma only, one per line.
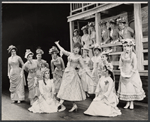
(74,61)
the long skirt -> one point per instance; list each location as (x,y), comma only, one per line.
(131,89)
(42,105)
(16,85)
(71,88)
(57,78)
(88,83)
(103,107)
(33,90)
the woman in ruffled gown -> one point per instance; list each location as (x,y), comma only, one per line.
(46,102)
(71,87)
(57,68)
(88,84)
(17,81)
(106,100)
(130,85)
(31,66)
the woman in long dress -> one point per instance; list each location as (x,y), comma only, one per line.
(130,85)
(46,102)
(57,68)
(31,66)
(17,81)
(96,62)
(71,87)
(88,84)
(106,100)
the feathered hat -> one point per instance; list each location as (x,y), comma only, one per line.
(121,20)
(53,49)
(39,51)
(11,47)
(28,52)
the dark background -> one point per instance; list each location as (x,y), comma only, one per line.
(31,26)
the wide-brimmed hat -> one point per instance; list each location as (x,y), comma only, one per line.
(53,49)
(75,30)
(28,52)
(128,41)
(11,47)
(91,24)
(97,46)
(121,20)
(84,28)
(102,22)
(39,51)
(85,48)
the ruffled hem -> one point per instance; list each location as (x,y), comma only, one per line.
(131,97)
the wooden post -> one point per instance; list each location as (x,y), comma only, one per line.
(97,28)
(138,35)
(71,26)
(70,8)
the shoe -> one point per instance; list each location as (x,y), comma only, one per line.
(62,108)
(19,101)
(127,105)
(131,106)
(74,108)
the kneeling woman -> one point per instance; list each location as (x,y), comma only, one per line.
(46,102)
(71,87)
(105,102)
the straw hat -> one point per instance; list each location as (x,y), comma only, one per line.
(84,28)
(11,47)
(97,46)
(28,52)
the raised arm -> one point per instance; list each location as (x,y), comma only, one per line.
(62,49)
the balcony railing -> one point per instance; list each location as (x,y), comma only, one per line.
(80,7)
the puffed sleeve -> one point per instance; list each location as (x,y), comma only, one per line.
(106,94)
(131,30)
(134,62)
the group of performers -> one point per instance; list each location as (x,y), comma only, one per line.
(84,75)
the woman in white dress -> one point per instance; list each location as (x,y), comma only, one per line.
(17,81)
(97,63)
(46,102)
(71,87)
(106,100)
(89,85)
(130,85)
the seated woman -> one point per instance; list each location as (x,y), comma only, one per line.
(46,102)
(106,100)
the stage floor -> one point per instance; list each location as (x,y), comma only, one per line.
(20,112)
